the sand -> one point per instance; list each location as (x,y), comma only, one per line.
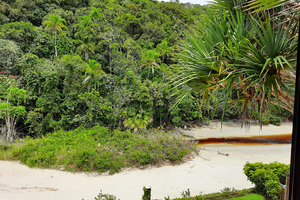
(208,172)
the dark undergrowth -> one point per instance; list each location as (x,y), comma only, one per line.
(97,149)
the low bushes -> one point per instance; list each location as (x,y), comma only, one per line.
(267,177)
(97,149)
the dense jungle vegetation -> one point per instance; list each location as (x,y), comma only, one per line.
(68,64)
(80,76)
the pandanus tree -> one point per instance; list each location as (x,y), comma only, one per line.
(292,13)
(247,58)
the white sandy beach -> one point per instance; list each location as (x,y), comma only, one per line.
(206,173)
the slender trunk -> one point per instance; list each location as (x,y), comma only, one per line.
(55,44)
(8,133)
(10,128)
(160,118)
(153,112)
(86,55)
(149,71)
(110,58)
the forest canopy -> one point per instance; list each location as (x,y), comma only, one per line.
(66,64)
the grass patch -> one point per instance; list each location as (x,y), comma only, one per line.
(225,194)
(249,197)
(96,149)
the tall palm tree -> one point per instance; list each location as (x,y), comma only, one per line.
(165,50)
(149,59)
(96,14)
(54,23)
(85,27)
(86,46)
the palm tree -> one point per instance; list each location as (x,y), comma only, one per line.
(93,70)
(96,14)
(54,23)
(85,27)
(149,59)
(164,50)
(86,45)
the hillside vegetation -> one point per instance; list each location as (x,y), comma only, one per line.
(66,64)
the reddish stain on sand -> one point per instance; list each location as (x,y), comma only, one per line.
(251,140)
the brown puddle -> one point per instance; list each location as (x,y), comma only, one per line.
(251,140)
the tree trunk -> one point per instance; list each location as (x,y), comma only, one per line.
(55,44)
(9,129)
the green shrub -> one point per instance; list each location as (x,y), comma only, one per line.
(227,191)
(275,120)
(177,121)
(97,149)
(272,120)
(186,194)
(266,177)
(147,193)
(101,196)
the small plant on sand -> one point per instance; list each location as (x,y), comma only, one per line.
(147,193)
(186,194)
(101,196)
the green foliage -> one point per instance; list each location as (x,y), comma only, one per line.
(147,193)
(101,196)
(267,177)
(22,33)
(6,109)
(186,194)
(226,193)
(109,62)
(249,197)
(55,24)
(11,110)
(9,56)
(219,56)
(272,120)
(98,149)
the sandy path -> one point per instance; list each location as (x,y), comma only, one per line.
(209,172)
